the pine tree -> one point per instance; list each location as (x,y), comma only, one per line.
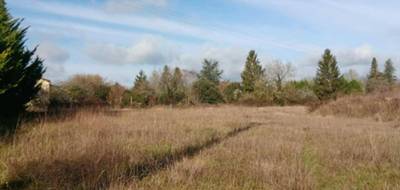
(210,71)
(389,73)
(206,86)
(375,79)
(142,92)
(252,73)
(177,86)
(140,81)
(165,96)
(20,71)
(327,80)
(374,72)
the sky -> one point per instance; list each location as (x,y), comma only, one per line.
(118,38)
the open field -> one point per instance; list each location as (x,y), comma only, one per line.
(223,147)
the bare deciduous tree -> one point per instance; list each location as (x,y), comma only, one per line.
(279,72)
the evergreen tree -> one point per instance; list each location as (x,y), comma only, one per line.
(232,92)
(252,73)
(327,80)
(210,71)
(20,71)
(375,79)
(374,72)
(165,96)
(177,86)
(389,73)
(206,86)
(171,86)
(142,92)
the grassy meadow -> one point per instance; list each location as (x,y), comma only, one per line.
(225,147)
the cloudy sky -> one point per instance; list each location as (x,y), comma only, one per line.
(117,38)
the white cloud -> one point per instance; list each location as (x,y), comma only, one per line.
(154,24)
(359,56)
(54,59)
(355,16)
(127,6)
(150,50)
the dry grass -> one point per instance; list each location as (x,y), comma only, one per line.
(382,106)
(93,149)
(290,149)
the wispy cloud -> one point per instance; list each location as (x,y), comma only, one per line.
(119,37)
(354,16)
(149,50)
(128,6)
(54,59)
(158,25)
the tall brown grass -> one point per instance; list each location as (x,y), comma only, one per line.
(203,148)
(92,149)
(381,106)
(292,150)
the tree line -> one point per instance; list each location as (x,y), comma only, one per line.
(269,85)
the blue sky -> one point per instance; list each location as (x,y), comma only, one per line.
(117,38)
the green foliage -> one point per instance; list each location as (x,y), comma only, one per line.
(348,87)
(207,92)
(378,81)
(389,73)
(206,86)
(232,92)
(165,96)
(178,86)
(299,93)
(327,80)
(142,93)
(262,95)
(210,71)
(19,71)
(374,72)
(252,73)
(171,87)
(127,98)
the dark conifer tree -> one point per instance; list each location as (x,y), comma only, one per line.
(327,80)
(142,93)
(20,71)
(389,72)
(206,86)
(253,72)
(374,71)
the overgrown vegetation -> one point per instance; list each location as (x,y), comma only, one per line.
(212,146)
(94,149)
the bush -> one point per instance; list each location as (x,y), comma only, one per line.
(86,90)
(261,96)
(299,93)
(350,87)
(59,97)
(207,92)
(232,92)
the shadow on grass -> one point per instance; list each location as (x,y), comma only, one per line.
(145,169)
(85,173)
